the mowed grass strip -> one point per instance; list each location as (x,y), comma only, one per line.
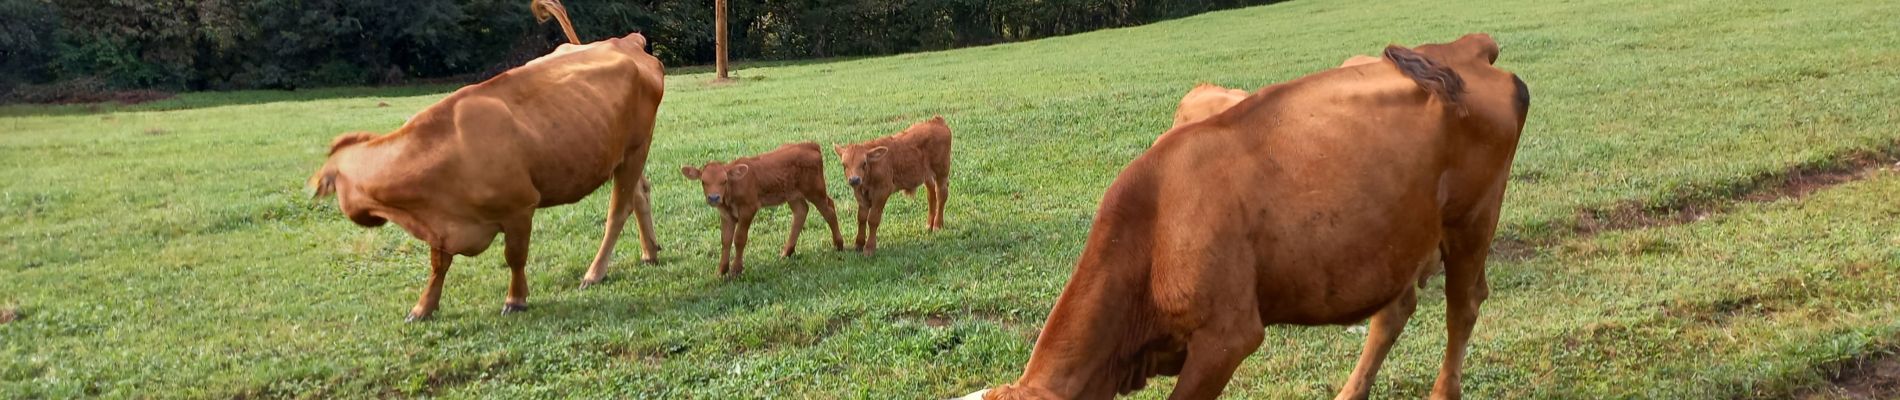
(170,250)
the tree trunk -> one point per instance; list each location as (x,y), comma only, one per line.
(719,25)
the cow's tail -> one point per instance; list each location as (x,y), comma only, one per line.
(1435,78)
(544,9)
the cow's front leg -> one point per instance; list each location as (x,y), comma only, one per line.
(517,234)
(876,212)
(798,224)
(864,214)
(726,224)
(1214,352)
(438,268)
(739,234)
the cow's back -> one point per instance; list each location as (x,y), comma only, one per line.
(565,120)
(1318,190)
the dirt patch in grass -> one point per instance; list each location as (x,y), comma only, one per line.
(9,313)
(1695,205)
(1874,377)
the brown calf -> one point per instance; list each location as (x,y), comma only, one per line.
(482,160)
(793,174)
(920,155)
(1316,201)
(1204,101)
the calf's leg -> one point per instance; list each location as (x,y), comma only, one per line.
(825,209)
(516,234)
(864,218)
(726,224)
(739,234)
(798,224)
(931,194)
(876,217)
(438,269)
(1383,332)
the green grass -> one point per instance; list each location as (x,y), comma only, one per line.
(169,251)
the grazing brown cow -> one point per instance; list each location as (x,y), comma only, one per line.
(920,155)
(1316,201)
(483,159)
(793,174)
(1204,101)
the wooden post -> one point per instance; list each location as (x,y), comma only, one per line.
(719,25)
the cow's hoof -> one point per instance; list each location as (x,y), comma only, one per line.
(650,261)
(786,254)
(511,308)
(589,282)
(416,317)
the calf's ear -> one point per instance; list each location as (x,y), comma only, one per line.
(690,172)
(739,171)
(877,153)
(323,183)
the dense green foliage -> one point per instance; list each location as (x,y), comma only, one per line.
(227,44)
(167,249)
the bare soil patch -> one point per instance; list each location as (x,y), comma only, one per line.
(1875,377)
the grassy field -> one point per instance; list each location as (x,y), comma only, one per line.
(168,250)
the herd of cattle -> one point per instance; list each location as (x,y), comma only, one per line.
(1326,199)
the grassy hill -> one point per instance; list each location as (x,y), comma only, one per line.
(169,251)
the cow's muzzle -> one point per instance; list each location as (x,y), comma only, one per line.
(712,199)
(854,181)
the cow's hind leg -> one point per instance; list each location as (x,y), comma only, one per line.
(932,194)
(830,212)
(1383,333)
(798,224)
(432,295)
(516,234)
(1465,289)
(628,196)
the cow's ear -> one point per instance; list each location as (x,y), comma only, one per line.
(739,171)
(690,172)
(877,153)
(838,148)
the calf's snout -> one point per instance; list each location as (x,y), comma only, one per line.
(855,181)
(712,199)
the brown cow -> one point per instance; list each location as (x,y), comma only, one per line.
(1204,101)
(920,155)
(793,174)
(484,158)
(1315,201)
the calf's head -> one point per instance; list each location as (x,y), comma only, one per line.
(860,160)
(717,179)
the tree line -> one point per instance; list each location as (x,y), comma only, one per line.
(287,44)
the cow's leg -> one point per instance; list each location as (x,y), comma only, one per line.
(516,234)
(643,210)
(629,195)
(1465,289)
(943,198)
(798,224)
(827,210)
(932,193)
(864,217)
(438,269)
(1215,351)
(876,217)
(726,224)
(740,231)
(1383,333)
